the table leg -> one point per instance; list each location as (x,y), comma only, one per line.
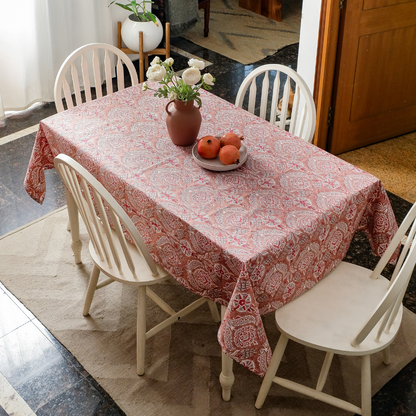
(227,375)
(73,226)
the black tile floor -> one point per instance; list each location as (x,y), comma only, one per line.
(45,375)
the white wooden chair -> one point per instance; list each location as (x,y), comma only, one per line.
(123,261)
(96,60)
(292,108)
(354,312)
(101,66)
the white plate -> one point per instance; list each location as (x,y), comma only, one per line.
(216,164)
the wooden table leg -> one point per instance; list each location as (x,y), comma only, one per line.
(227,374)
(76,244)
(275,10)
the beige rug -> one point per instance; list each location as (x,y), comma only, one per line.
(243,35)
(183,362)
(393,161)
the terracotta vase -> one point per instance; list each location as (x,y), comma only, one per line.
(183,121)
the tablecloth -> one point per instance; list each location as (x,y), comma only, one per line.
(253,238)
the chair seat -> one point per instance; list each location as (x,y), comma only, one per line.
(352,311)
(330,301)
(144,275)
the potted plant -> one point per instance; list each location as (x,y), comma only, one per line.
(141,20)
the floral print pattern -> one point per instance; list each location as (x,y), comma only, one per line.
(251,239)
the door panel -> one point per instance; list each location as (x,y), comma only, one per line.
(373,4)
(375,88)
(381,90)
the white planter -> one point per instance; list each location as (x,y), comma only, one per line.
(152,34)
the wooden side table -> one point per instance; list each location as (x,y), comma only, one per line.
(144,56)
(269,8)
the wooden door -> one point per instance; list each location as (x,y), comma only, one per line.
(375,82)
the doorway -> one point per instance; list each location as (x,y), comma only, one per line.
(245,36)
(365,83)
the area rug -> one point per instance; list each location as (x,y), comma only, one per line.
(245,36)
(183,362)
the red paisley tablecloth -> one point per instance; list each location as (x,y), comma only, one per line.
(253,238)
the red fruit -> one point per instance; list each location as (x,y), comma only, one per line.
(231,139)
(229,155)
(208,147)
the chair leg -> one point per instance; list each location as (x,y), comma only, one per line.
(227,374)
(214,311)
(91,290)
(271,371)
(365,385)
(324,371)
(73,226)
(141,330)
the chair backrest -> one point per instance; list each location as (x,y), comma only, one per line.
(96,60)
(387,310)
(106,222)
(290,105)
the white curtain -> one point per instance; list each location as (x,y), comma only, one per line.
(36,36)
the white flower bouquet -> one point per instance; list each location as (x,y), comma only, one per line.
(177,88)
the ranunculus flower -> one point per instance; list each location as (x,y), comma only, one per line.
(175,87)
(156,73)
(191,76)
(156,60)
(208,79)
(169,61)
(196,63)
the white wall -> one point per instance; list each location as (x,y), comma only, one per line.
(308,42)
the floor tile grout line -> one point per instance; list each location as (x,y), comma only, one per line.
(11,401)
(28,322)
(19,134)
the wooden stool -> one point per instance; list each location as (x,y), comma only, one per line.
(144,56)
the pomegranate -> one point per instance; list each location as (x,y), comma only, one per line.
(231,139)
(229,155)
(208,147)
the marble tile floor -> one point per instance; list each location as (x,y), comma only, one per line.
(38,376)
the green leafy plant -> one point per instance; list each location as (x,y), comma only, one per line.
(138,8)
(174,87)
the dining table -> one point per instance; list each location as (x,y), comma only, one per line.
(251,239)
